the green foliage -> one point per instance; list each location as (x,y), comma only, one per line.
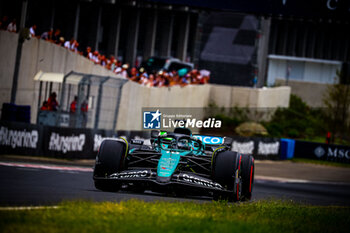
(297,121)
(337,101)
(230,117)
(139,216)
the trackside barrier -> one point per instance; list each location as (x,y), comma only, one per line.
(322,151)
(38,140)
(20,138)
(287,148)
(260,148)
(18,113)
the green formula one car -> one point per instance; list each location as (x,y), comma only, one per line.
(177,163)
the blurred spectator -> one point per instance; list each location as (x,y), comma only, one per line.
(112,63)
(88,53)
(95,57)
(12,27)
(118,70)
(45,106)
(103,60)
(328,137)
(124,71)
(56,36)
(165,78)
(47,35)
(174,79)
(150,82)
(115,65)
(134,76)
(74,46)
(4,23)
(143,76)
(159,82)
(73,105)
(61,41)
(32,30)
(84,110)
(205,76)
(69,44)
(52,102)
(84,106)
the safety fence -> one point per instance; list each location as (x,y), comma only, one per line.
(72,143)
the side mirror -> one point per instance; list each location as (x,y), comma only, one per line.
(155,133)
(228,141)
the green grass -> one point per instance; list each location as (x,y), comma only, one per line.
(320,162)
(138,216)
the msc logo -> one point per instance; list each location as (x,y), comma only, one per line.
(319,152)
(151,120)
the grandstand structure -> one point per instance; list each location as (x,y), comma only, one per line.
(243,43)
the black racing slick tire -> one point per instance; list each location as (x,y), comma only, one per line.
(247,176)
(109,160)
(227,172)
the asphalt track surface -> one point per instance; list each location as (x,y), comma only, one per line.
(33,186)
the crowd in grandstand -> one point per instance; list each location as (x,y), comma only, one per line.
(139,75)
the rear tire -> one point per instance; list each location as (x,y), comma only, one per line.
(109,160)
(247,176)
(227,172)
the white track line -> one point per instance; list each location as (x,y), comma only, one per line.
(47,167)
(86,169)
(28,208)
(299,181)
(280,179)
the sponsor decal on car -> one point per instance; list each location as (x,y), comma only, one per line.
(209,140)
(199,181)
(131,174)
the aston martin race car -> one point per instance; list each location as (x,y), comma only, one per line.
(176,163)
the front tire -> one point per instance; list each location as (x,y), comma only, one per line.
(227,172)
(109,160)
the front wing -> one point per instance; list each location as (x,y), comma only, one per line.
(191,183)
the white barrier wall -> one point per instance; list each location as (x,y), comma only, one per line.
(41,55)
(312,93)
(134,97)
(37,55)
(8,47)
(229,96)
